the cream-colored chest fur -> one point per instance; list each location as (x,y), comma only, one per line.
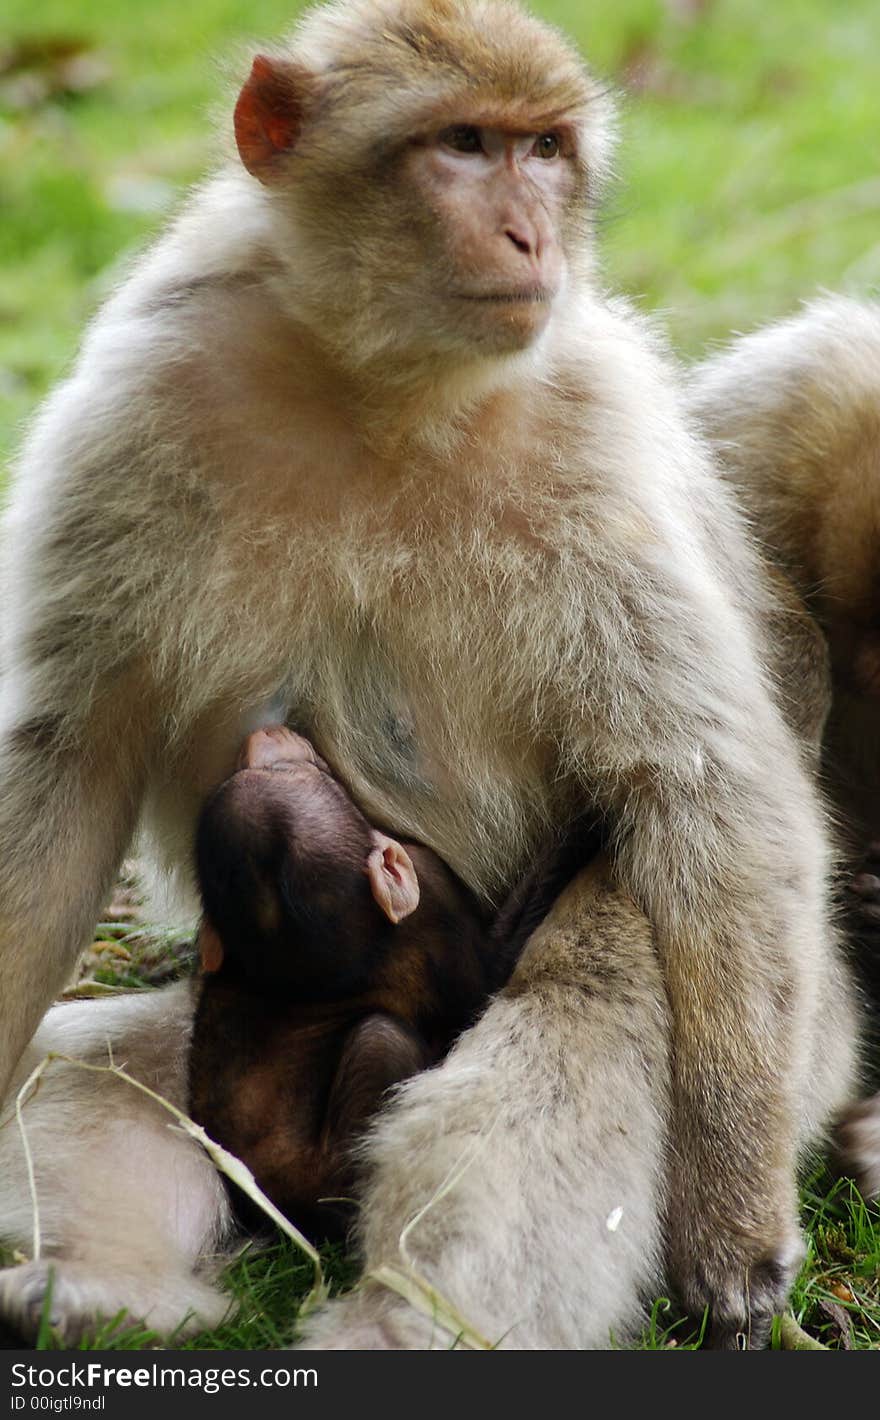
(413,626)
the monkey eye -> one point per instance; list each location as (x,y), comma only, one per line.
(547,146)
(463,138)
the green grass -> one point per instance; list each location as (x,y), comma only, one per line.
(839,1285)
(748,178)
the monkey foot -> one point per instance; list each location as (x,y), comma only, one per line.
(73,1298)
(24,1296)
(371,1320)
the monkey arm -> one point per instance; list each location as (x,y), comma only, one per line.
(718,835)
(379,1052)
(89,589)
(75,706)
(69,796)
(738,915)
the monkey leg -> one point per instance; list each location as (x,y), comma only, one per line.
(129,1208)
(530,1164)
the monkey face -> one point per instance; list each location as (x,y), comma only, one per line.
(437,204)
(494,198)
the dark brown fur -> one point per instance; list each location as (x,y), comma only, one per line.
(291,1058)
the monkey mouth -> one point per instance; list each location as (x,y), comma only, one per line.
(528,295)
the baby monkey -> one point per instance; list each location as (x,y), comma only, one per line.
(336,963)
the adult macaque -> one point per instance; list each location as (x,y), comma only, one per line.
(368,380)
(794,412)
(338,963)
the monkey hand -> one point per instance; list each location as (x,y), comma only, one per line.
(858,1145)
(738,1281)
(863,908)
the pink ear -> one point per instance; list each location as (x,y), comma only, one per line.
(210,947)
(392,878)
(269,114)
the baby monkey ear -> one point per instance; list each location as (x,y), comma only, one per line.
(210,947)
(392,878)
(269,114)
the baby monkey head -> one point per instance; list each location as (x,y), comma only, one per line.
(300,894)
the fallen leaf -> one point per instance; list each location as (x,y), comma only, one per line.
(840,1322)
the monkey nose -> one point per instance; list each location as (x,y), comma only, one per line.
(524,238)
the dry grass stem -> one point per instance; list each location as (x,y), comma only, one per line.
(222,1160)
(792,1336)
(409,1283)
